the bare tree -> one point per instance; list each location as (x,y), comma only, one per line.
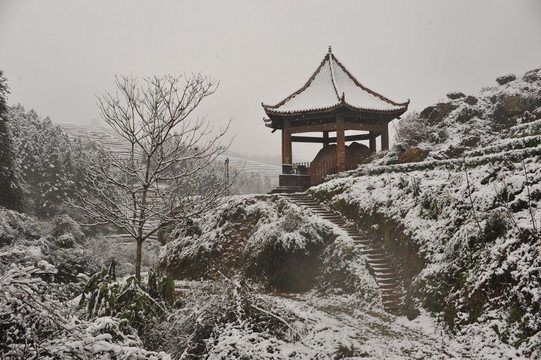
(147,188)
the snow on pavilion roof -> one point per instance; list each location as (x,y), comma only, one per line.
(330,87)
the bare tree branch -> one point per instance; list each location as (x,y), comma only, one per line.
(163,178)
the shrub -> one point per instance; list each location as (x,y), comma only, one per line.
(504,79)
(35,324)
(412,130)
(104,296)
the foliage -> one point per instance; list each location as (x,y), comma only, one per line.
(25,241)
(474,273)
(150,186)
(104,296)
(411,130)
(210,310)
(47,162)
(10,195)
(34,324)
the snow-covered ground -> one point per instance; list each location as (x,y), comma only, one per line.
(264,278)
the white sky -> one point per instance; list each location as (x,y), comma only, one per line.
(58,55)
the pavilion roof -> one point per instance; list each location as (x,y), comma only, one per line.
(330,87)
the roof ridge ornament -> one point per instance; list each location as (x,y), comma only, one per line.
(333,79)
(330,49)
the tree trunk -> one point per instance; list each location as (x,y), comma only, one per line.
(138,260)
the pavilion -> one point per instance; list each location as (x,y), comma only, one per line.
(332,101)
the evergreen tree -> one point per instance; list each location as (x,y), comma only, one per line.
(10,195)
(48,162)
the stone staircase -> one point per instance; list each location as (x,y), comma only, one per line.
(378,260)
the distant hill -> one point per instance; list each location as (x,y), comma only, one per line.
(107,137)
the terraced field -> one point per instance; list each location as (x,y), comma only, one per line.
(106,137)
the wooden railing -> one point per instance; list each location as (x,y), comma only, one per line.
(318,171)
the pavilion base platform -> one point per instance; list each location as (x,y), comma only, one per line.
(291,182)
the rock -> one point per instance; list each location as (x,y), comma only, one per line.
(412,312)
(454,152)
(438,112)
(470,141)
(412,155)
(532,75)
(453,95)
(513,105)
(502,80)
(425,114)
(356,154)
(471,100)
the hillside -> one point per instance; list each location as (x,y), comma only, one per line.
(454,205)
(431,251)
(255,176)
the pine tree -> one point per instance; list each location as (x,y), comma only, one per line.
(47,160)
(10,194)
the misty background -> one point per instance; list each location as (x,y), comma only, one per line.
(59,55)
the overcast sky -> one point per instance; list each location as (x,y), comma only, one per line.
(58,55)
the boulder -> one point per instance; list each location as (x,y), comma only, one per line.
(454,152)
(453,95)
(532,75)
(438,112)
(356,154)
(513,105)
(471,100)
(412,155)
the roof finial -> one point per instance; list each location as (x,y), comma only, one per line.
(330,49)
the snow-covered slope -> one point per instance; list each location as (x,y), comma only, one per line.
(464,223)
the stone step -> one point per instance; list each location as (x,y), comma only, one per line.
(363,237)
(388,283)
(393,309)
(391,289)
(373,252)
(389,276)
(397,302)
(288,189)
(362,243)
(384,270)
(390,295)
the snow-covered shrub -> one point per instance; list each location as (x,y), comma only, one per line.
(103,295)
(411,131)
(265,238)
(476,241)
(35,324)
(27,242)
(47,162)
(504,79)
(453,95)
(286,252)
(212,311)
(14,225)
(65,225)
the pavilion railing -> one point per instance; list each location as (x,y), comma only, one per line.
(319,170)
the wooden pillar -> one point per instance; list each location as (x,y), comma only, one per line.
(286,143)
(385,138)
(372,141)
(325,138)
(340,144)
